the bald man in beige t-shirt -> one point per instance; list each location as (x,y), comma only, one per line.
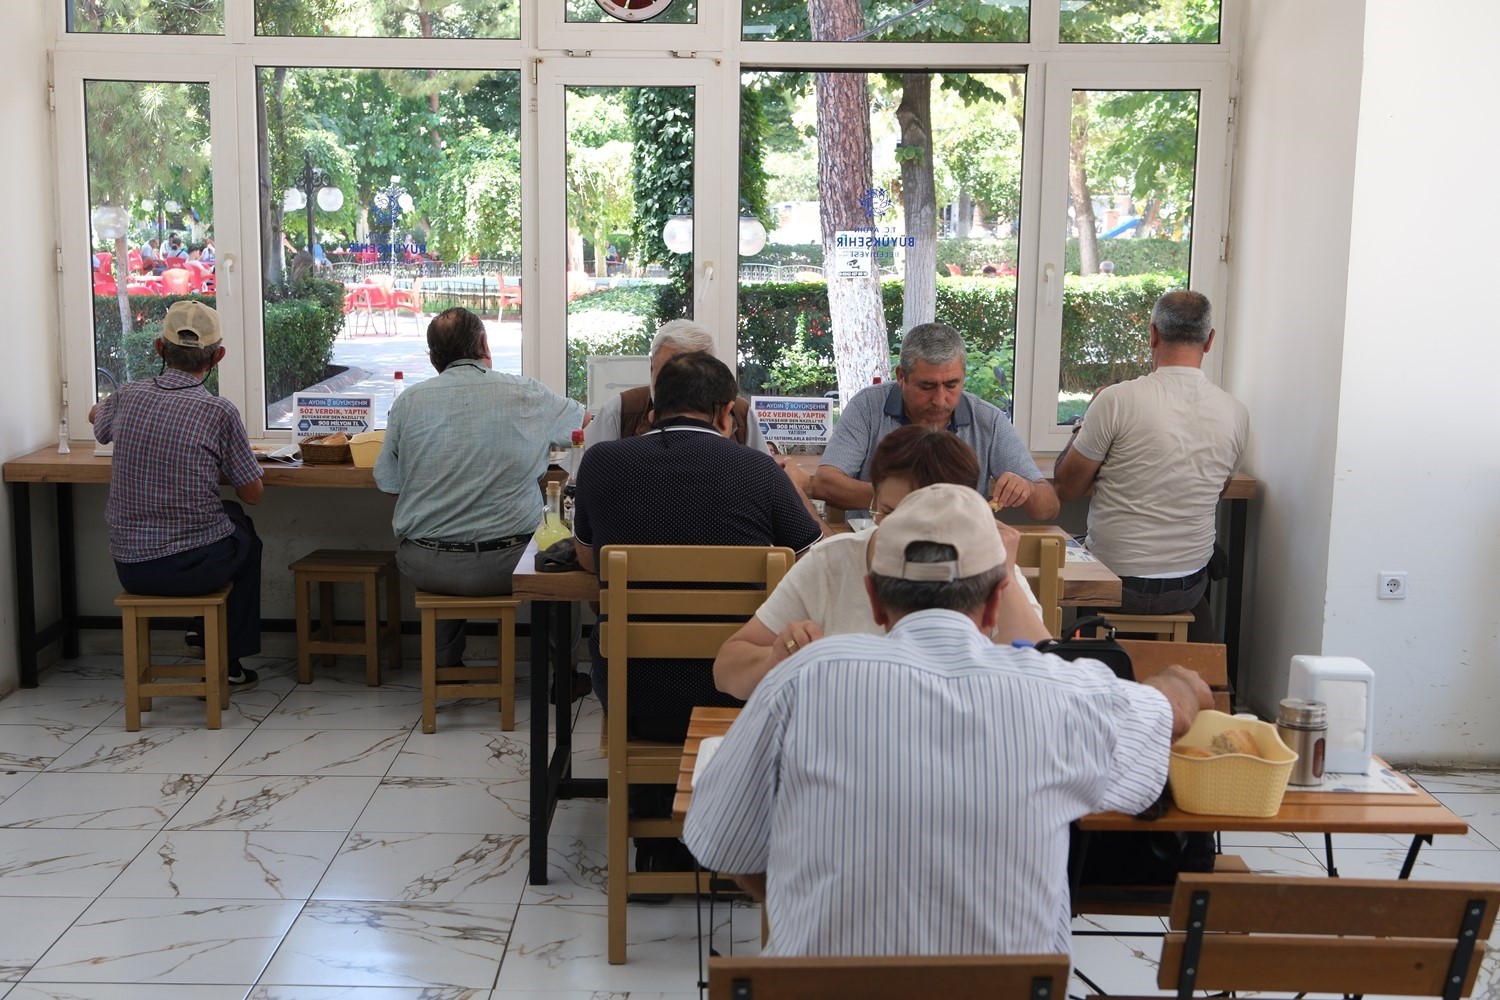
(1158,452)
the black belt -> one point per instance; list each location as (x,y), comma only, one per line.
(1152,585)
(489,546)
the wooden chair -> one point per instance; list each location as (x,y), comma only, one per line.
(1208,660)
(1046,553)
(368,569)
(713,580)
(146,678)
(1171,628)
(497,682)
(887,977)
(1323,935)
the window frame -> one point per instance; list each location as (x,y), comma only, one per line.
(549,48)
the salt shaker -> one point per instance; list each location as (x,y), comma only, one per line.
(1303,726)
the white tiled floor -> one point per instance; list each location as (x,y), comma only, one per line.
(320,847)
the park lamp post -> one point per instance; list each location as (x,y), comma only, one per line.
(677,234)
(391,201)
(312,183)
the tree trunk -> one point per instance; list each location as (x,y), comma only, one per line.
(122,269)
(919,200)
(963,215)
(1078,185)
(269,259)
(861,345)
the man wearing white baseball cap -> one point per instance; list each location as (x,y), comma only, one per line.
(910,794)
(169,532)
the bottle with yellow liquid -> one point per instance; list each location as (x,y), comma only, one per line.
(552,528)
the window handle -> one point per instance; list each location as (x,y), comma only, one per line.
(1049,278)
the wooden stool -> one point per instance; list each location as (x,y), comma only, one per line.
(469,682)
(326,567)
(145,679)
(1169,628)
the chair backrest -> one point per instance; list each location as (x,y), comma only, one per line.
(106,262)
(1208,660)
(955,270)
(888,977)
(177,281)
(1047,553)
(1323,935)
(676,587)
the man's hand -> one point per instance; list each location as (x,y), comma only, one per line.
(800,477)
(1185,691)
(792,638)
(93,410)
(1011,490)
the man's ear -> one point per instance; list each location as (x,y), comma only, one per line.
(1210,341)
(724,420)
(990,617)
(159,345)
(219,353)
(1155,337)
(877,609)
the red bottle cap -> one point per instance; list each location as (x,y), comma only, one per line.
(400,376)
(578,436)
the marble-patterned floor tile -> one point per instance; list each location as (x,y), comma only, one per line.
(80,705)
(393,944)
(247,709)
(149,751)
(85,667)
(228,864)
(464,753)
(1432,866)
(1230,841)
(428,867)
(581,818)
(1480,809)
(447,805)
(99,801)
(33,748)
(588,762)
(358,752)
(125,991)
(1437,780)
(348,674)
(590,995)
(1471,841)
(563,948)
(65,862)
(367,993)
(482,714)
(367,708)
(1116,964)
(29,925)
(285,802)
(224,941)
(577,872)
(12,782)
(1282,860)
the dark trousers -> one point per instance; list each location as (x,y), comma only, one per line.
(234,559)
(1170,602)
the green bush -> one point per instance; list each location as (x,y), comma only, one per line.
(1105,322)
(299,344)
(1154,256)
(618,320)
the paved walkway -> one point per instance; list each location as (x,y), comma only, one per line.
(373,358)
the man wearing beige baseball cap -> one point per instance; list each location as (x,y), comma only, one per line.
(170,533)
(924,780)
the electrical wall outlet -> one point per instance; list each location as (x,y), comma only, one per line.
(1392,585)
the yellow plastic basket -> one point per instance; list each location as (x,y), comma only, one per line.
(1233,784)
(365,448)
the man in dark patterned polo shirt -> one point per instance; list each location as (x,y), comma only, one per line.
(169,532)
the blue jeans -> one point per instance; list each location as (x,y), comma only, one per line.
(1170,602)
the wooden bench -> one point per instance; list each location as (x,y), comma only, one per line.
(1325,935)
(146,678)
(326,567)
(498,681)
(952,977)
(1171,628)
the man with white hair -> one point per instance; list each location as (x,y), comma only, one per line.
(910,794)
(630,413)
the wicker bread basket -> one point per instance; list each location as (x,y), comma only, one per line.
(1233,784)
(314,453)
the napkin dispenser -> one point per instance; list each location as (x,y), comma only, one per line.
(1347,687)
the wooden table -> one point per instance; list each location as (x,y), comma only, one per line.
(1419,815)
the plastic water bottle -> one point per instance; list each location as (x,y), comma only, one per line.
(400,385)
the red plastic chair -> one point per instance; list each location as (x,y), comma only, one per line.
(106,262)
(955,271)
(105,285)
(177,281)
(203,276)
(134,263)
(509,293)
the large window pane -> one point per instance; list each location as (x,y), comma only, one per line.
(1131,176)
(149,183)
(1189,21)
(394,194)
(146,17)
(390,18)
(886,21)
(943,157)
(633,11)
(630,153)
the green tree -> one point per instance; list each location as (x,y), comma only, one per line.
(477,197)
(661,173)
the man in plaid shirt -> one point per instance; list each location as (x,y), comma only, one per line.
(169,532)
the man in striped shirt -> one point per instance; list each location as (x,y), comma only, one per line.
(911,793)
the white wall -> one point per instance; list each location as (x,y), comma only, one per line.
(1298,108)
(29,404)
(1417,471)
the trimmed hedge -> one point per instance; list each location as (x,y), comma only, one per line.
(300,331)
(1130,256)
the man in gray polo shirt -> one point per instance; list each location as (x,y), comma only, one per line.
(929,390)
(1158,451)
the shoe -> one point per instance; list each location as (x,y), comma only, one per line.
(194,643)
(242,678)
(650,857)
(583,685)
